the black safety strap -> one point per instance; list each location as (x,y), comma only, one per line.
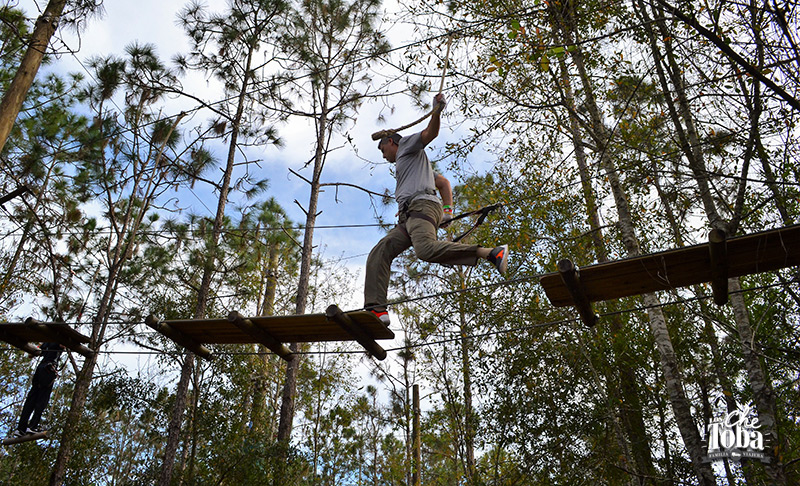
(482,212)
(417,214)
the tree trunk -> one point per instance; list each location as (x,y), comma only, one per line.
(267,308)
(720,374)
(293,366)
(12,101)
(117,251)
(203,293)
(658,326)
(83,381)
(176,420)
(470,418)
(625,394)
(763,394)
(73,418)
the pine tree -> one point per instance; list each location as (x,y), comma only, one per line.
(328,43)
(225,46)
(137,146)
(45,27)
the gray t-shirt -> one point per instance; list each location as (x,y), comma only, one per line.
(413,171)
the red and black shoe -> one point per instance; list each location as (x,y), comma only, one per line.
(382,315)
(499,257)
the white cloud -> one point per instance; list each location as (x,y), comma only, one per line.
(155,22)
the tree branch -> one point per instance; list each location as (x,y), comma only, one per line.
(733,55)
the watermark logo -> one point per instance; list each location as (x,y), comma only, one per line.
(735,435)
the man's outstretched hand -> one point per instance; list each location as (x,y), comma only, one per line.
(439,102)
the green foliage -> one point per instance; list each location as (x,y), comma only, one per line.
(514,390)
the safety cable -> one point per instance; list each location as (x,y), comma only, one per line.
(540,325)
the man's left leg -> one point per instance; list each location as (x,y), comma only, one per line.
(42,398)
(379,268)
(422,230)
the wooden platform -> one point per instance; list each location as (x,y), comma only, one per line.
(714,262)
(24,438)
(273,331)
(22,334)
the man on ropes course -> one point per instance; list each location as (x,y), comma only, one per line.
(420,214)
(41,387)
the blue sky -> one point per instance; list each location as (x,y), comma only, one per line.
(154,22)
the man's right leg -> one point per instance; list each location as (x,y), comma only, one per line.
(27,409)
(38,398)
(379,268)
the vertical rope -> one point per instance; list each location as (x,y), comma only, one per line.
(383,133)
(446,61)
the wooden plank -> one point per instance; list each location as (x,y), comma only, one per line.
(62,334)
(25,438)
(68,332)
(358,333)
(571,279)
(33,331)
(260,335)
(285,329)
(17,342)
(755,253)
(25,333)
(186,341)
(718,253)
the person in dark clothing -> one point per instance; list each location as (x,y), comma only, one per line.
(39,394)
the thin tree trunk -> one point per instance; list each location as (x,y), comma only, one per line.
(626,398)
(687,132)
(118,252)
(470,418)
(176,420)
(408,412)
(13,98)
(293,366)
(711,338)
(267,309)
(763,394)
(204,291)
(12,265)
(70,433)
(658,326)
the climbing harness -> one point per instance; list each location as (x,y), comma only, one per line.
(482,212)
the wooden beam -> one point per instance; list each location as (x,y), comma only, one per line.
(25,438)
(335,314)
(718,252)
(60,333)
(668,270)
(15,193)
(20,343)
(302,328)
(570,275)
(179,338)
(260,335)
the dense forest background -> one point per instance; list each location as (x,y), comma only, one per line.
(613,129)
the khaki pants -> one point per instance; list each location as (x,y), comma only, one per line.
(422,236)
